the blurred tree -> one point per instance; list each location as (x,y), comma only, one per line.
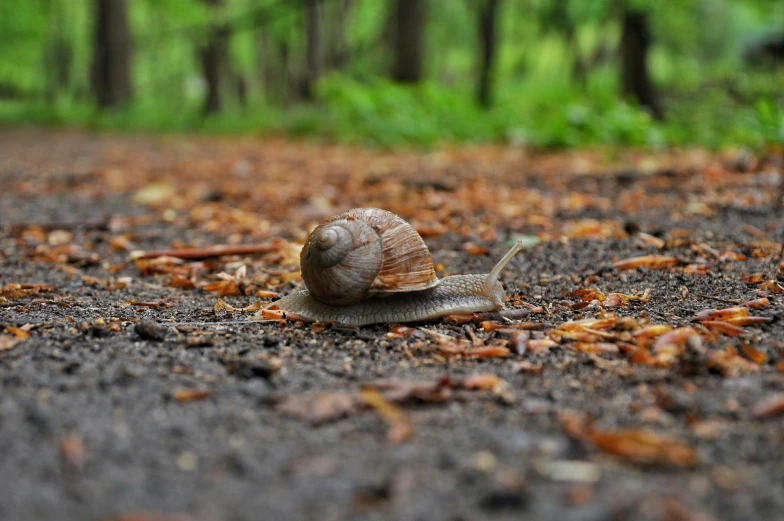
(213,61)
(487,44)
(313,46)
(408,20)
(635,76)
(58,54)
(111,65)
(337,46)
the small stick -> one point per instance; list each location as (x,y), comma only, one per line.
(725,300)
(220,323)
(95,224)
(208,251)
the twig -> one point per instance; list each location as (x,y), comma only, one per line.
(208,251)
(219,323)
(101,224)
(725,300)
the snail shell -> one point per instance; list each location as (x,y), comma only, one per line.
(362,252)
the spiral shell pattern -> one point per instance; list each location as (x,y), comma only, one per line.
(363,252)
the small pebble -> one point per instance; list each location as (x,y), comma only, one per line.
(150,330)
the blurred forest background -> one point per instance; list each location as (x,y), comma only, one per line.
(395,72)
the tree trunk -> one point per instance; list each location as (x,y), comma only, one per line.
(336,49)
(213,58)
(111,66)
(635,78)
(313,38)
(487,43)
(408,40)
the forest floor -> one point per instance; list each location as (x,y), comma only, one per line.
(642,379)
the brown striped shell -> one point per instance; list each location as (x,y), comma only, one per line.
(362,252)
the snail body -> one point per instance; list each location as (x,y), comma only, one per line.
(369,266)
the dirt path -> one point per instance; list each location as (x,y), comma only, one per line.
(125,394)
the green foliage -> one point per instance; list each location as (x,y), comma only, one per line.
(712,97)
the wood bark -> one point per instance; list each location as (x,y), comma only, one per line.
(213,62)
(408,40)
(111,63)
(635,76)
(488,45)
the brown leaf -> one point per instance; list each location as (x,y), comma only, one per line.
(724,328)
(487,352)
(772,286)
(401,331)
(757,303)
(321,407)
(749,321)
(473,249)
(8,342)
(72,452)
(769,407)
(720,314)
(190,395)
(223,288)
(729,363)
(755,355)
(397,390)
(588,294)
(645,447)
(461,319)
(646,261)
(19,333)
(17,291)
(484,381)
(400,427)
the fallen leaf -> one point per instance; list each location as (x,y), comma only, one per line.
(757,303)
(72,452)
(645,447)
(487,352)
(720,314)
(473,249)
(771,286)
(755,355)
(749,321)
(769,407)
(321,407)
(190,395)
(8,342)
(724,328)
(729,363)
(400,427)
(646,261)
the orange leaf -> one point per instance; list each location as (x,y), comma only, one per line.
(646,261)
(757,303)
(645,446)
(400,427)
(755,355)
(321,407)
(189,395)
(749,321)
(720,314)
(483,381)
(487,351)
(723,327)
(772,286)
(771,406)
(473,249)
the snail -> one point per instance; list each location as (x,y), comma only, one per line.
(368,266)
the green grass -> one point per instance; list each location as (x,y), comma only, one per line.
(540,112)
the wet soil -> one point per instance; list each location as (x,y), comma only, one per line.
(92,426)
